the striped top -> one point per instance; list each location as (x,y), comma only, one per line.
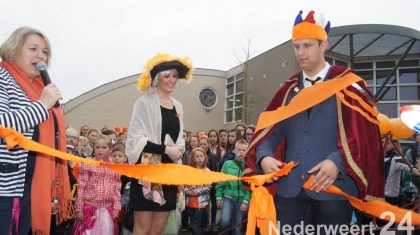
(17,111)
(198,196)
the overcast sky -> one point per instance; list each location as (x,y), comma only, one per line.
(98,41)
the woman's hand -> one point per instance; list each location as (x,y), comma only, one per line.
(50,95)
(173,152)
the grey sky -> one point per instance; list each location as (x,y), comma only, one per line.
(99,41)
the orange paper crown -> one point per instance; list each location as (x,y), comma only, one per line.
(309,29)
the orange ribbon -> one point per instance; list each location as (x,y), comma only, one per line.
(305,99)
(375,208)
(261,208)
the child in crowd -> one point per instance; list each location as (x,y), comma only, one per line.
(122,138)
(233,136)
(223,138)
(84,149)
(98,199)
(118,156)
(112,135)
(185,136)
(229,153)
(394,166)
(72,144)
(200,133)
(241,128)
(192,143)
(231,196)
(198,196)
(213,165)
(72,140)
(249,132)
(215,147)
(84,130)
(92,135)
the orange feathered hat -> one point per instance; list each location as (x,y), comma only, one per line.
(308,28)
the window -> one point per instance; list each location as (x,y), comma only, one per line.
(329,60)
(390,89)
(402,88)
(363,65)
(239,76)
(229,80)
(207,98)
(367,75)
(342,63)
(390,93)
(381,76)
(229,116)
(409,63)
(239,86)
(409,75)
(389,109)
(229,103)
(238,100)
(385,64)
(230,88)
(410,93)
(234,98)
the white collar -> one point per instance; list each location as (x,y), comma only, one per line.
(322,74)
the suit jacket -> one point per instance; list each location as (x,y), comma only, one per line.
(357,137)
(310,138)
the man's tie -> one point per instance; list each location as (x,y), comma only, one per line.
(313,81)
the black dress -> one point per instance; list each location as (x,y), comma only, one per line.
(171,126)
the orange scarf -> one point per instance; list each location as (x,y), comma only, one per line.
(50,179)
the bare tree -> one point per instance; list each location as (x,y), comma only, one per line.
(249,96)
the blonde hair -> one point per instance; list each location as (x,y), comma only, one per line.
(198,149)
(72,132)
(81,128)
(241,141)
(106,138)
(88,150)
(11,47)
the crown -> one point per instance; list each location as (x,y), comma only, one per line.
(309,28)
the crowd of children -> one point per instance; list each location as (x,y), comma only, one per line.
(101,195)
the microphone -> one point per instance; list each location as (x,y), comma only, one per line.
(42,69)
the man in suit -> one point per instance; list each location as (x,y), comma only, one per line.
(333,139)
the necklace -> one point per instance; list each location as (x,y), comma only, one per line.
(168,101)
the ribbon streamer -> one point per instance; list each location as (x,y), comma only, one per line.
(261,208)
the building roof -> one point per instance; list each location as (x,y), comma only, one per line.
(373,40)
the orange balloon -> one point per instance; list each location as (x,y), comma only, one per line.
(384,124)
(399,130)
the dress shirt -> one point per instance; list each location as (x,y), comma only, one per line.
(322,74)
